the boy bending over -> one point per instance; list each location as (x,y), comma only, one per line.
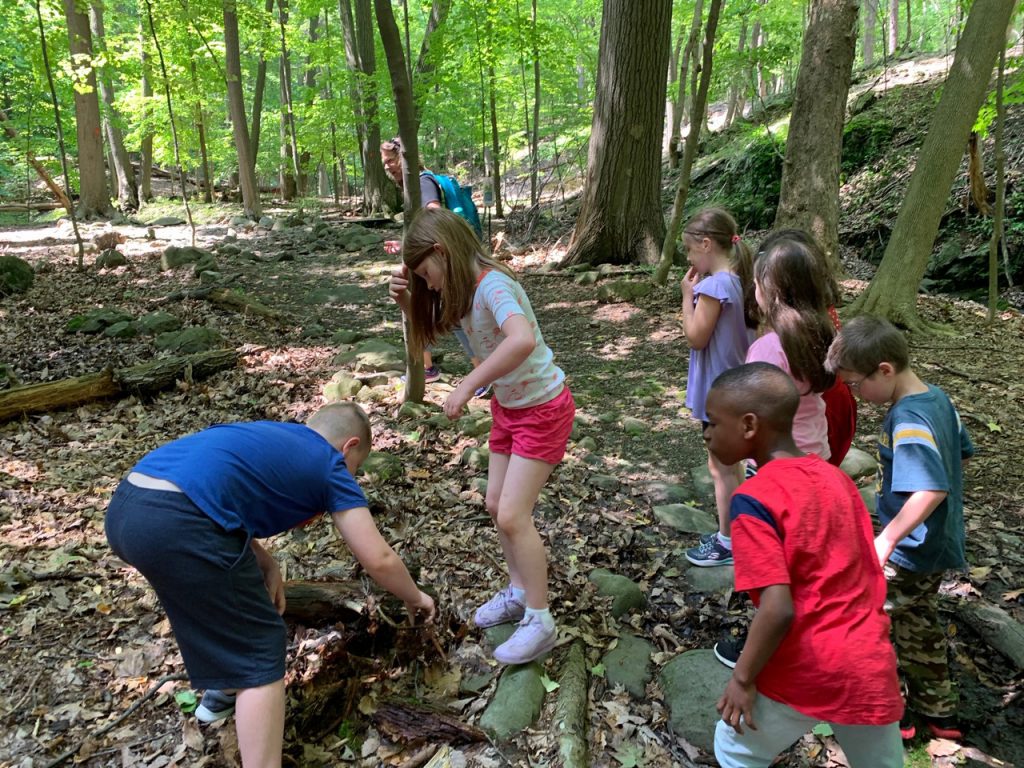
(818,648)
(188,516)
(922,447)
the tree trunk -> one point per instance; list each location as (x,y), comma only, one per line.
(201,129)
(286,168)
(236,107)
(40,170)
(893,291)
(869,22)
(684,68)
(809,196)
(737,88)
(700,104)
(894,26)
(620,219)
(287,105)
(127,195)
(92,179)
(1000,207)
(535,139)
(258,90)
(495,146)
(571,709)
(146,161)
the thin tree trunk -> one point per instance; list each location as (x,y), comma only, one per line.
(201,130)
(328,91)
(909,29)
(286,168)
(684,68)
(236,108)
(700,102)
(495,146)
(869,23)
(259,87)
(146,148)
(535,142)
(894,26)
(736,89)
(998,213)
(40,170)
(286,96)
(121,167)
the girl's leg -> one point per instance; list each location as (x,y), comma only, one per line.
(259,720)
(523,480)
(727,479)
(871,746)
(497,468)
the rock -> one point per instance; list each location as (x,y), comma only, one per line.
(285,256)
(372,395)
(378,379)
(411,410)
(634,426)
(605,269)
(668,493)
(96,320)
(313,331)
(205,263)
(479,484)
(372,355)
(382,467)
(279,226)
(342,386)
(870,497)
(685,518)
(626,594)
(240,222)
(126,329)
(209,277)
(475,424)
(16,275)
(347,337)
(719,579)
(110,259)
(158,322)
(175,256)
(227,249)
(604,482)
(693,683)
(703,485)
(168,221)
(586,278)
(859,464)
(624,290)
(499,633)
(266,222)
(608,417)
(516,702)
(587,444)
(476,457)
(332,293)
(198,338)
(629,664)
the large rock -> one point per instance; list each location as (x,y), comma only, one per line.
(634,426)
(710,579)
(626,594)
(685,518)
(475,424)
(176,256)
(190,341)
(382,466)
(516,703)
(372,355)
(859,464)
(703,484)
(331,293)
(167,221)
(126,329)
(158,322)
(110,259)
(629,664)
(476,457)
(662,492)
(342,386)
(624,290)
(693,683)
(16,275)
(870,497)
(97,320)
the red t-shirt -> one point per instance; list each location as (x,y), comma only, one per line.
(801,522)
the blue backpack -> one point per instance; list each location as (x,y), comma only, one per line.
(457,199)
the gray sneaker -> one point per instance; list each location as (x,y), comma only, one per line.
(500,609)
(215,705)
(530,641)
(709,553)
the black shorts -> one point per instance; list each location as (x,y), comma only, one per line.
(208,582)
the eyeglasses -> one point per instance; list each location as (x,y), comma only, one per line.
(855,385)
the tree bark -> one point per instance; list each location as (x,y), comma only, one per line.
(738,87)
(1000,207)
(92,179)
(407,722)
(894,26)
(535,139)
(620,219)
(571,709)
(495,145)
(236,108)
(40,170)
(259,88)
(996,627)
(893,291)
(684,68)
(288,106)
(809,196)
(869,22)
(146,149)
(201,130)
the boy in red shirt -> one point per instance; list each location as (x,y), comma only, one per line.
(818,648)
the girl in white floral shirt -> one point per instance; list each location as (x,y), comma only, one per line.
(448,280)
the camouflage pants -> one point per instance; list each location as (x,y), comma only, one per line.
(912,602)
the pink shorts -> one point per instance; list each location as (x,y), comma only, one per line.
(535,432)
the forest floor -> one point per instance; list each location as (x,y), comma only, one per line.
(83,638)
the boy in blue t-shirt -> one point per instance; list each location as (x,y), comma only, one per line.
(187,517)
(921,448)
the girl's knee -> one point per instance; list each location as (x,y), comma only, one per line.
(491,505)
(512,523)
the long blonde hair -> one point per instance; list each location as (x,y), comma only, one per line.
(440,232)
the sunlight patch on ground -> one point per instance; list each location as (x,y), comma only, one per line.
(287,359)
(619,349)
(615,313)
(22,470)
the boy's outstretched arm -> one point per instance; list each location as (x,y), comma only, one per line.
(770,625)
(918,506)
(360,533)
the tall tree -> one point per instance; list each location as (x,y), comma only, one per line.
(146,148)
(620,219)
(679,103)
(809,196)
(893,291)
(258,90)
(236,108)
(869,21)
(127,195)
(92,177)
(289,134)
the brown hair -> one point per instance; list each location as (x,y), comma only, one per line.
(866,342)
(439,232)
(718,225)
(797,292)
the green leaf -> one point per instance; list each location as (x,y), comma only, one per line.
(597,670)
(630,755)
(186,701)
(994,427)
(822,729)
(549,684)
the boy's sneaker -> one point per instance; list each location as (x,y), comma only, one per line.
(482,391)
(433,373)
(500,609)
(729,648)
(215,705)
(709,553)
(944,728)
(530,641)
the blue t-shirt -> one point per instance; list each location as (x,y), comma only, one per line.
(264,476)
(921,448)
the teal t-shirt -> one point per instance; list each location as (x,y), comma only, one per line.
(921,448)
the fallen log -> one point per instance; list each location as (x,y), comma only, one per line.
(571,709)
(234,301)
(415,723)
(143,379)
(29,207)
(318,603)
(996,627)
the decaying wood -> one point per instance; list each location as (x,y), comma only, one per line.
(58,193)
(226,299)
(571,709)
(316,603)
(140,379)
(996,627)
(29,207)
(410,723)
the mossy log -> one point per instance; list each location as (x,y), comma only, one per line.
(571,709)
(995,626)
(147,378)
(316,603)
(415,724)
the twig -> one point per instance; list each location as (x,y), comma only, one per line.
(968,376)
(421,757)
(128,712)
(19,702)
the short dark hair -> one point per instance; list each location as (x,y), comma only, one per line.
(866,342)
(763,389)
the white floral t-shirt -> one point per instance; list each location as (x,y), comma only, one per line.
(537,379)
